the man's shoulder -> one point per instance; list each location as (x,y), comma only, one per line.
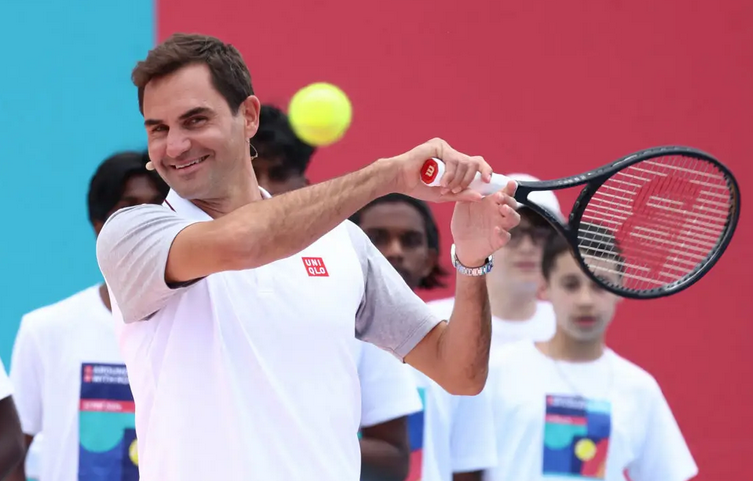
(61,312)
(137,213)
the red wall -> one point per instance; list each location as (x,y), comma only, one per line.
(551,88)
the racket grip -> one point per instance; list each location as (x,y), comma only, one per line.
(433,170)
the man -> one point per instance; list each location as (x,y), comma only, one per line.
(11,436)
(455,432)
(517,312)
(71,383)
(388,394)
(578,410)
(237,311)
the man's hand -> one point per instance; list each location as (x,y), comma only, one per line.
(459,173)
(481,228)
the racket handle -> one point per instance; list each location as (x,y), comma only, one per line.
(433,170)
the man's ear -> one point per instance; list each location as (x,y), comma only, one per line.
(250,109)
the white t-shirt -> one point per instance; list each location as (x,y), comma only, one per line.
(539,328)
(250,374)
(71,383)
(387,389)
(563,421)
(453,434)
(6,389)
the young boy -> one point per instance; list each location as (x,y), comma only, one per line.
(570,407)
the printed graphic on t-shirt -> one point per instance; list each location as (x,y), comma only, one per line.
(416,437)
(107,435)
(576,437)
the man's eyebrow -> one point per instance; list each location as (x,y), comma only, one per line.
(190,113)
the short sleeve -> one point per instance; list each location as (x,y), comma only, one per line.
(391,315)
(27,375)
(132,251)
(473,441)
(664,454)
(6,388)
(387,388)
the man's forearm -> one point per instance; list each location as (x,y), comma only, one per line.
(465,342)
(263,232)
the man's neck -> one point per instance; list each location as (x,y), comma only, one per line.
(564,348)
(243,191)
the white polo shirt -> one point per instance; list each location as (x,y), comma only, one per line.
(250,374)
(599,420)
(6,388)
(71,384)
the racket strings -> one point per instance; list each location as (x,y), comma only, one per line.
(656,222)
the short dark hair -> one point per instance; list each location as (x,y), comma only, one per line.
(434,278)
(230,75)
(108,182)
(600,241)
(275,140)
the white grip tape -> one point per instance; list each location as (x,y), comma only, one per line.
(433,170)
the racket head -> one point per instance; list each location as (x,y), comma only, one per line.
(661,218)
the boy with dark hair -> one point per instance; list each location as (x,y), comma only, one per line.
(570,407)
(70,381)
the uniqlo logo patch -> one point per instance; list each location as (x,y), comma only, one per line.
(315,267)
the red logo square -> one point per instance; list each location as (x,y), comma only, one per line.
(315,267)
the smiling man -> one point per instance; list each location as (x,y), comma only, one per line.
(240,360)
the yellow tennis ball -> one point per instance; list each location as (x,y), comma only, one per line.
(320,114)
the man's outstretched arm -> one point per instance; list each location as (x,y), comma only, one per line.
(146,237)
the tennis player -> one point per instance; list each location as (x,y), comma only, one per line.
(453,438)
(237,311)
(70,380)
(517,311)
(11,436)
(388,394)
(578,409)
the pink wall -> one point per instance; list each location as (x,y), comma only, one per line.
(551,88)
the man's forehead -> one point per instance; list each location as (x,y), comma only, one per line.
(180,92)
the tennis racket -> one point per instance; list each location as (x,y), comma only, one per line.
(648,225)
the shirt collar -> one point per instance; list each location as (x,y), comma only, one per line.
(188,209)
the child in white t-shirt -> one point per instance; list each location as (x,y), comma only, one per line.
(571,408)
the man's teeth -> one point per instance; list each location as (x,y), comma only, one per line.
(191,163)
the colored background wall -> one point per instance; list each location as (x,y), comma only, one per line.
(66,103)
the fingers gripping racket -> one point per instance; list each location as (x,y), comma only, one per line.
(645,226)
